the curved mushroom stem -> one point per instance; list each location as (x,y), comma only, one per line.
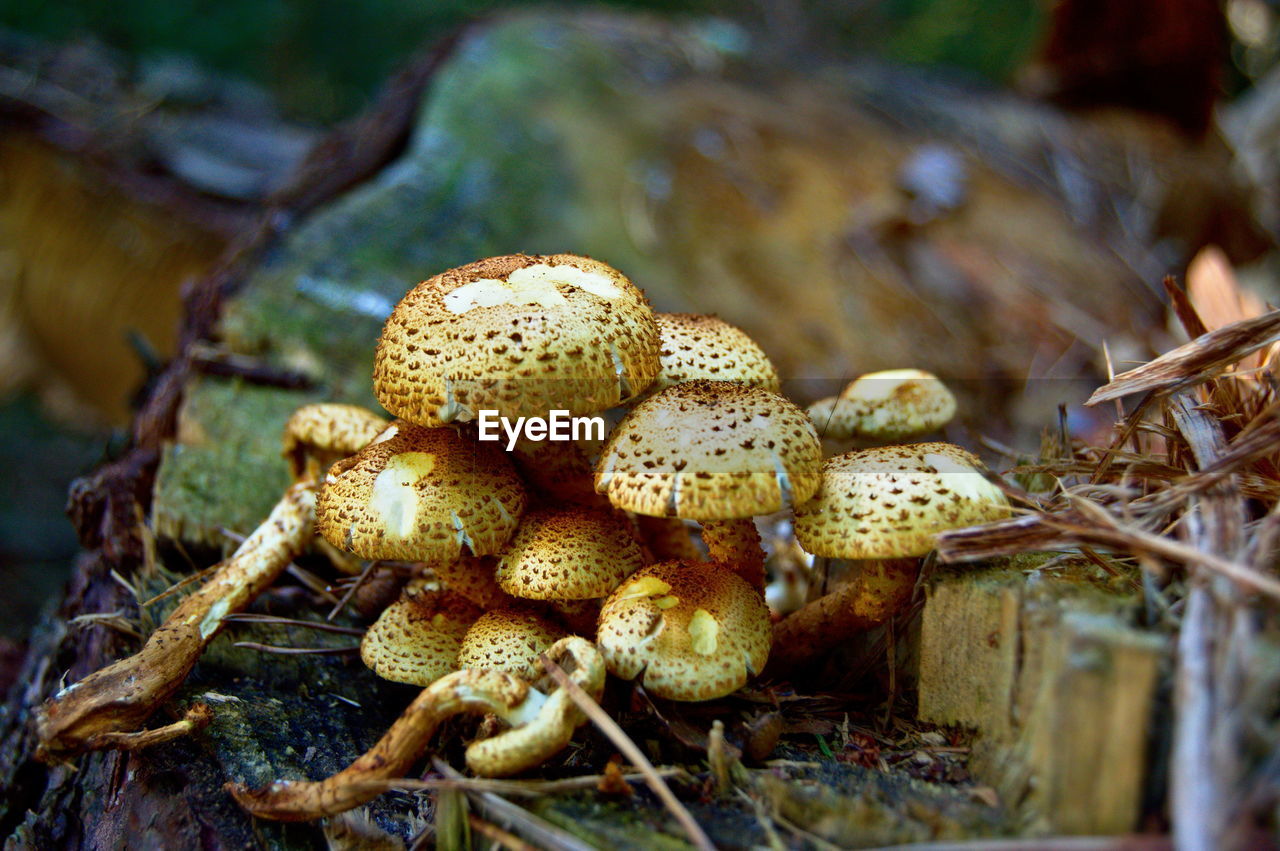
(317,435)
(736,545)
(542,724)
(120,697)
(881,588)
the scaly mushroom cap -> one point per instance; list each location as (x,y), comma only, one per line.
(560,469)
(892,501)
(711,450)
(518,334)
(473,577)
(568,554)
(328,431)
(509,640)
(416,639)
(692,631)
(896,404)
(420,494)
(693,345)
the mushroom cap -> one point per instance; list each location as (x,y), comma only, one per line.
(560,469)
(416,639)
(695,345)
(508,639)
(329,431)
(711,450)
(473,578)
(892,501)
(690,630)
(568,554)
(420,494)
(895,404)
(519,334)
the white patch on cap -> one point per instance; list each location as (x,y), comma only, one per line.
(537,284)
(875,386)
(963,480)
(394,498)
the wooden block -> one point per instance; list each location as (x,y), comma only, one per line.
(1057,682)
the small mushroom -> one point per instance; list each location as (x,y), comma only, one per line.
(887,406)
(568,554)
(318,435)
(690,631)
(421,494)
(510,640)
(715,452)
(542,723)
(416,640)
(519,334)
(892,501)
(473,578)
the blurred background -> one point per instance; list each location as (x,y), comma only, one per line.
(139,140)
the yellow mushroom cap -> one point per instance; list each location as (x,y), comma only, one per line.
(416,639)
(691,631)
(473,578)
(895,404)
(693,345)
(892,501)
(420,494)
(519,334)
(568,554)
(711,450)
(508,639)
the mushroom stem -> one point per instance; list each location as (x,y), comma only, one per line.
(880,588)
(120,697)
(736,545)
(542,724)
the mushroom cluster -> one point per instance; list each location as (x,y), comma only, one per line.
(575,550)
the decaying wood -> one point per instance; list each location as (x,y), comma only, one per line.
(1058,684)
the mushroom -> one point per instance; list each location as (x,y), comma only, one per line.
(107,708)
(473,578)
(508,639)
(887,406)
(421,494)
(318,435)
(691,631)
(417,638)
(568,554)
(693,345)
(542,721)
(884,506)
(715,452)
(521,335)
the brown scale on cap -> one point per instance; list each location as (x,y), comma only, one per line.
(694,345)
(892,501)
(692,631)
(519,334)
(416,639)
(421,494)
(711,450)
(560,469)
(568,554)
(510,640)
(896,404)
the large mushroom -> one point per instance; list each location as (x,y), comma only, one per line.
(519,334)
(716,452)
(421,494)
